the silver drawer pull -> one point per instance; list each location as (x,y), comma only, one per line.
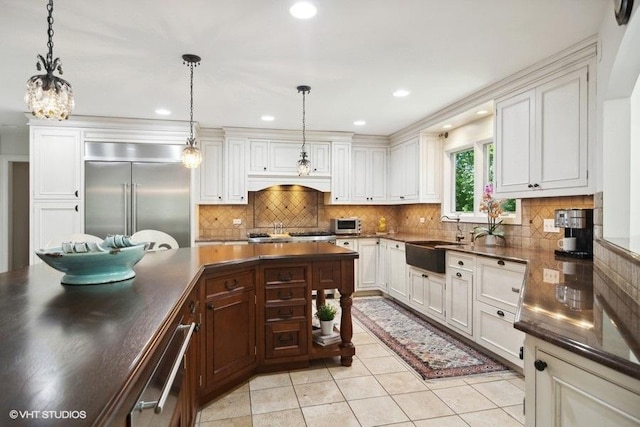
(515,290)
(174,369)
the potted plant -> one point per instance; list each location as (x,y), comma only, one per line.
(326,313)
(493,208)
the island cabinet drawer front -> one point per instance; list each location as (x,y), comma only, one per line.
(285,312)
(462,262)
(498,282)
(286,293)
(327,275)
(231,282)
(279,275)
(494,331)
(286,339)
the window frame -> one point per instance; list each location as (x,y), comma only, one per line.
(448,194)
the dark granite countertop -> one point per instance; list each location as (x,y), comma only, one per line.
(73,348)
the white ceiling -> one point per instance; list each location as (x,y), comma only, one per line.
(123,57)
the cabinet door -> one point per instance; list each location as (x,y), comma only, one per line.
(320,156)
(367,264)
(567,395)
(515,138)
(360,190)
(211,188)
(459,299)
(258,156)
(493,329)
(383,266)
(396,177)
(430,173)
(341,172)
(378,175)
(417,281)
(284,156)
(53,223)
(498,282)
(56,156)
(236,168)
(561,132)
(230,334)
(435,297)
(398,272)
(411,171)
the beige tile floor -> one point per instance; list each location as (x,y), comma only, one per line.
(378,389)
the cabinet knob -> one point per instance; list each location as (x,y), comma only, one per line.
(397,246)
(530,186)
(219,197)
(540,365)
(521,354)
(210,306)
(500,313)
(241,197)
(424,275)
(264,168)
(515,290)
(500,262)
(346,243)
(459,274)
(536,185)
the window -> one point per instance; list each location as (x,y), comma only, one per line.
(470,168)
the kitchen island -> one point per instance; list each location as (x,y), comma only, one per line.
(79,355)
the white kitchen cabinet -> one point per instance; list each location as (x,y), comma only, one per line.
(459,283)
(398,272)
(430,169)
(568,390)
(543,138)
(427,292)
(340,173)
(367,265)
(383,265)
(403,172)
(258,156)
(52,223)
(281,157)
(370,174)
(497,289)
(417,280)
(210,173)
(320,157)
(236,171)
(56,163)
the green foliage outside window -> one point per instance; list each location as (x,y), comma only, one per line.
(464,173)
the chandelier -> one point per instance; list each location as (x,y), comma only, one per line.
(304,165)
(191,157)
(49,96)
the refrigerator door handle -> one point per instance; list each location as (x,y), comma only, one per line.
(125,196)
(134,208)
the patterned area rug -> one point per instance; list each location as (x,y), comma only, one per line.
(428,349)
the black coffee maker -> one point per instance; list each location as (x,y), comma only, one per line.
(577,223)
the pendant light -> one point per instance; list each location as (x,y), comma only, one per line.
(49,96)
(191,157)
(304,165)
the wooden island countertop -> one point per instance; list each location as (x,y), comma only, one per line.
(79,348)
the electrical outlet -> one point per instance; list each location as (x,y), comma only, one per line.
(550,275)
(237,221)
(421,220)
(549,226)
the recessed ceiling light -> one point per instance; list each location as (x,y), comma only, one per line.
(359,123)
(268,118)
(303,10)
(401,93)
(447,126)
(481,112)
(162,112)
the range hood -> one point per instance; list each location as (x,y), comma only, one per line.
(320,183)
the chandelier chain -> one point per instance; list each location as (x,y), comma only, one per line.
(191,105)
(50,32)
(304,114)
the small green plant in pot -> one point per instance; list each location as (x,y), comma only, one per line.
(326,313)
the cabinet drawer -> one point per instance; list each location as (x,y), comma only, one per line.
(286,339)
(231,282)
(498,282)
(494,330)
(277,312)
(285,293)
(293,274)
(462,262)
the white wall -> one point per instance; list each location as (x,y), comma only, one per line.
(470,133)
(14,140)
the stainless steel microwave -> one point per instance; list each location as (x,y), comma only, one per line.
(346,225)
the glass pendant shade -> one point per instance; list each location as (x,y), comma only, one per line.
(49,97)
(304,165)
(191,157)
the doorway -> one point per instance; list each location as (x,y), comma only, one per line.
(14,171)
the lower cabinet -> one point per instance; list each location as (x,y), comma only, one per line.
(398,272)
(565,389)
(229,344)
(367,262)
(459,312)
(53,222)
(493,329)
(427,292)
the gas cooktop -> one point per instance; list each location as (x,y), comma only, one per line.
(303,236)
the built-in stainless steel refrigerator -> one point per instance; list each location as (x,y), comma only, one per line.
(133,187)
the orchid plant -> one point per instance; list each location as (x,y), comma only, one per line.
(493,208)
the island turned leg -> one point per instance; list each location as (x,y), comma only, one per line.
(320,299)
(346,331)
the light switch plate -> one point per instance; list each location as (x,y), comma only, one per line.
(549,226)
(237,221)
(550,275)
(421,220)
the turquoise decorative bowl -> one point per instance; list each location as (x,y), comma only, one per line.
(92,268)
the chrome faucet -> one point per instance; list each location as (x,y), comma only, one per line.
(459,233)
(278,228)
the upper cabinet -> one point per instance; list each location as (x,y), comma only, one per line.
(210,182)
(281,158)
(369,174)
(341,173)
(236,171)
(222,176)
(543,138)
(56,156)
(403,171)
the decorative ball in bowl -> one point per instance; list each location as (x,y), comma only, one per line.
(90,268)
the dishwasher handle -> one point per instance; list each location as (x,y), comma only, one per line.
(174,369)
